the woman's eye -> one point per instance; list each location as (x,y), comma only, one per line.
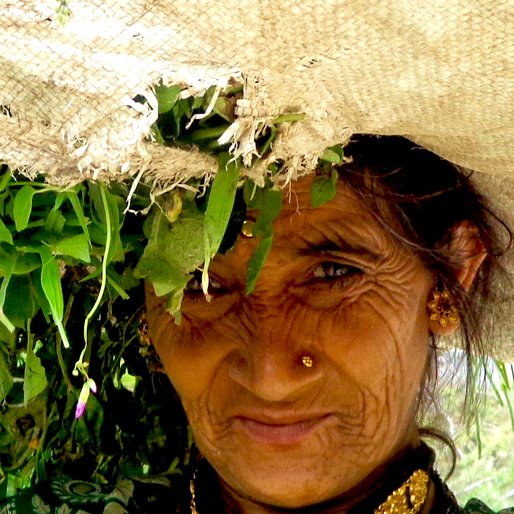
(334,271)
(195,284)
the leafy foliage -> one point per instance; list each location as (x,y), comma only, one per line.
(73,355)
(173,251)
(59,248)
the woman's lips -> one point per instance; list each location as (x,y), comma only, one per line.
(277,432)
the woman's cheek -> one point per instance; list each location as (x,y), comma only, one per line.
(373,346)
(192,354)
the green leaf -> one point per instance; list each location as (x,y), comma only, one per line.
(51,285)
(198,101)
(269,203)
(333,155)
(74,246)
(51,282)
(79,212)
(7,337)
(219,208)
(250,191)
(5,179)
(127,280)
(116,288)
(174,250)
(16,262)
(266,145)
(23,207)
(156,135)
(6,380)
(25,264)
(39,294)
(5,234)
(35,377)
(167,97)
(9,265)
(55,221)
(116,252)
(174,302)
(128,381)
(181,109)
(323,189)
(224,107)
(258,258)
(20,300)
(8,257)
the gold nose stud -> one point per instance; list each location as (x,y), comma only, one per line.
(307,361)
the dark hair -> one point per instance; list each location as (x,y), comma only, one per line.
(424,197)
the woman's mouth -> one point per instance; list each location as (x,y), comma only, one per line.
(278,432)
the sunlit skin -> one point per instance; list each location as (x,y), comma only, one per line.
(335,287)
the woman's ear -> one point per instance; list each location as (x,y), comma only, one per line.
(468,252)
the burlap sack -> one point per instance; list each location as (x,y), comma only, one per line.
(438,72)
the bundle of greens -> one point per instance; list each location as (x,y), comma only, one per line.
(73,351)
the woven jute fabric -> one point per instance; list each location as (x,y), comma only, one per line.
(440,73)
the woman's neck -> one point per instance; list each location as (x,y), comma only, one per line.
(235,504)
(368,495)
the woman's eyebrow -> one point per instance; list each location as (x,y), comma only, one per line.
(334,247)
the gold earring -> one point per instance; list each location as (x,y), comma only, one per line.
(248,228)
(442,309)
(307,361)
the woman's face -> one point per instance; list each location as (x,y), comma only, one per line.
(334,287)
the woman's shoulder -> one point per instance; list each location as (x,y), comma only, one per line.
(475,506)
(68,496)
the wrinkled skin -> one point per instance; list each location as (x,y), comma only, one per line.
(336,287)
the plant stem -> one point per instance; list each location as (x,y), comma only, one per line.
(105,261)
(207,133)
(289,118)
(58,347)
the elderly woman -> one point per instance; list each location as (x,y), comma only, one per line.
(306,395)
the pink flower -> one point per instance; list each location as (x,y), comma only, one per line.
(89,386)
(80,409)
(92,385)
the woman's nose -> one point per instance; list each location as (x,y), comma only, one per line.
(274,371)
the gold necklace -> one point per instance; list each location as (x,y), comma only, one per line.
(409,498)
(192,504)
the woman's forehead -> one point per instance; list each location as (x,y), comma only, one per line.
(345,212)
(296,200)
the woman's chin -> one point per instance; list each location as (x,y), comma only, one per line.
(287,479)
(284,491)
(287,466)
